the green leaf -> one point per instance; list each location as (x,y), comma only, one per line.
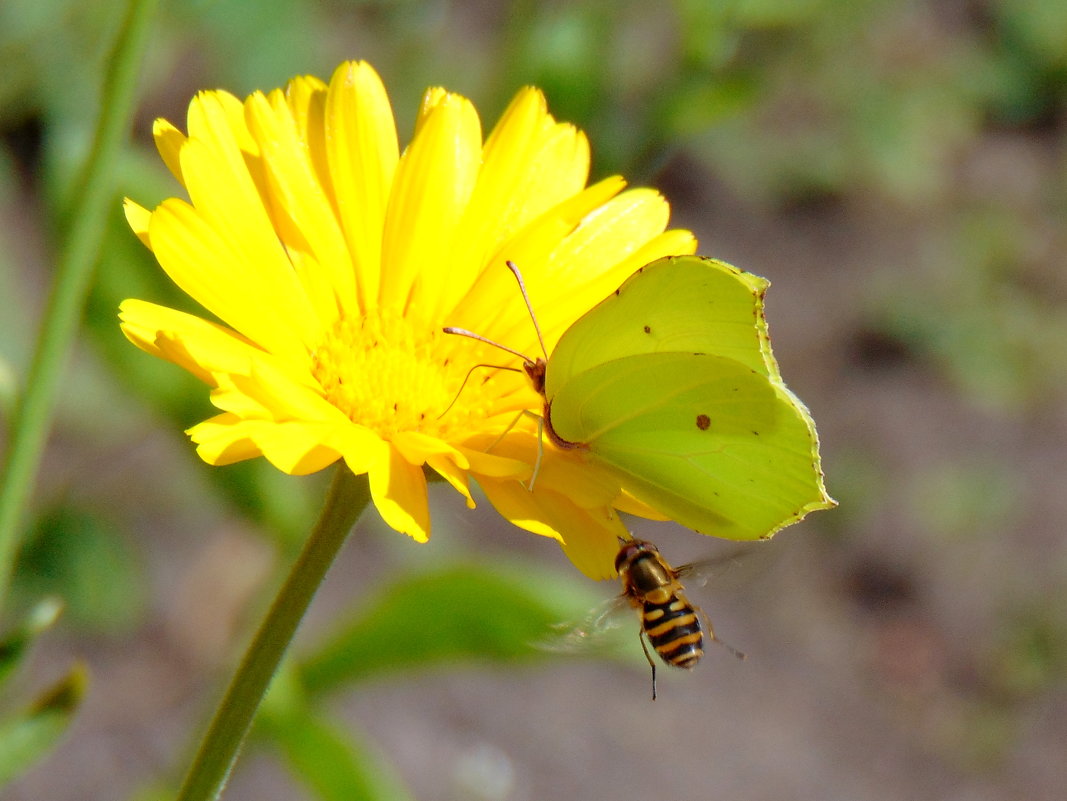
(25,738)
(454,614)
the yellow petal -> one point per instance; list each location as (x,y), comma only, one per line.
(431,99)
(455,475)
(527,142)
(449,462)
(563,472)
(223,440)
(235,288)
(494,307)
(227,184)
(627,503)
(201,347)
(362,152)
(550,160)
(398,489)
(362,449)
(433,182)
(417,448)
(518,506)
(590,538)
(300,211)
(139,219)
(522,176)
(306,99)
(169,141)
(292,447)
(592,261)
(272,394)
(218,116)
(494,466)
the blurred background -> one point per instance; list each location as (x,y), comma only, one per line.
(897,169)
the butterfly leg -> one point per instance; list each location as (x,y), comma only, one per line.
(540,443)
(504,433)
(540,449)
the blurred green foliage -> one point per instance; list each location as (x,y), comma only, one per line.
(878,103)
(332,761)
(463,613)
(17,642)
(960,502)
(26,737)
(29,733)
(455,614)
(85,559)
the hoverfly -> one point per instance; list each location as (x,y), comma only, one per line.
(674,626)
(669,621)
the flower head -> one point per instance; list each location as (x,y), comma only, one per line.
(331,259)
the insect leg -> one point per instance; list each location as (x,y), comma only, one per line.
(540,449)
(651,664)
(540,442)
(504,433)
(711,636)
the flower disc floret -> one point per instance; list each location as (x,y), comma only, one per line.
(392,374)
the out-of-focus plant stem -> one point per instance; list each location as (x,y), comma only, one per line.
(86,218)
(347,497)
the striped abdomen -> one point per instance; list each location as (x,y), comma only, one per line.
(673,627)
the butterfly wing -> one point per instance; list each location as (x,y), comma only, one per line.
(682,304)
(706,440)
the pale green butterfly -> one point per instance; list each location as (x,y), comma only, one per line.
(669,385)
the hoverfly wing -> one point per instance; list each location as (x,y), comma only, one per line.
(590,633)
(700,572)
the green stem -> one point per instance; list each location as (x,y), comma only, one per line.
(207,776)
(91,199)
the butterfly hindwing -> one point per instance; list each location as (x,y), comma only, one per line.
(703,439)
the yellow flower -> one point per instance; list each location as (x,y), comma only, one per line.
(332,259)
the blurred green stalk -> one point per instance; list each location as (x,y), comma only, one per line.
(87,215)
(347,497)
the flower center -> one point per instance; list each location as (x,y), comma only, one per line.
(391,374)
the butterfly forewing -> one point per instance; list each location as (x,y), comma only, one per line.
(681,304)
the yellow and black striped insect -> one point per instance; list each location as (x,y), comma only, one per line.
(669,621)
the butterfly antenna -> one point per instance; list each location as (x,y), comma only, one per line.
(463,332)
(522,288)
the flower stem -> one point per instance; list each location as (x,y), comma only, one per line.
(207,776)
(91,198)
